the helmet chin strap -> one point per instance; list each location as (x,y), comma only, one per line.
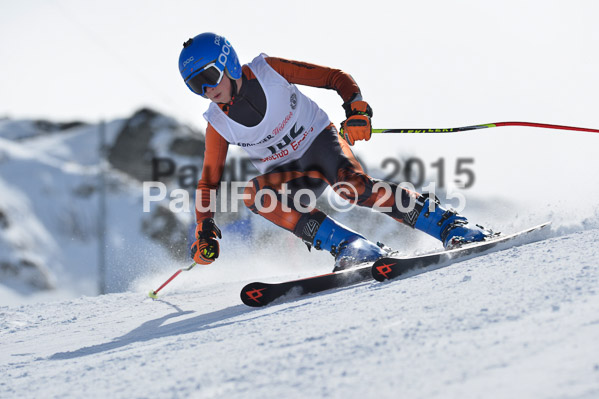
(233,93)
(233,88)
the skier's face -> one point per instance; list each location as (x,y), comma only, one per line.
(221,93)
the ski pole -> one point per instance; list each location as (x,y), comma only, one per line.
(484,126)
(154,293)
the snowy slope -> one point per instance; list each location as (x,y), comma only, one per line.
(49,200)
(519,323)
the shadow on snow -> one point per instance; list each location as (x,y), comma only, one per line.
(155,329)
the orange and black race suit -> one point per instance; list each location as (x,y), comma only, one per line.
(327,162)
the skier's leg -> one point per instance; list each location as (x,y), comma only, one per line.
(271,196)
(385,197)
(408,207)
(266,196)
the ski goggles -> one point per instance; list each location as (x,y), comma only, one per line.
(209,76)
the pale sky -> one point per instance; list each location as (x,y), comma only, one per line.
(430,63)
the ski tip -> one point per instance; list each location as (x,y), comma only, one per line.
(252,295)
(152,294)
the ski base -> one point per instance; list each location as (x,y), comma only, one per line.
(390,268)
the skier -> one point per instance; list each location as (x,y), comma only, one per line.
(292,142)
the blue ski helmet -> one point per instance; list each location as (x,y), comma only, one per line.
(205,59)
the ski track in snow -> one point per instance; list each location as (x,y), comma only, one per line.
(519,323)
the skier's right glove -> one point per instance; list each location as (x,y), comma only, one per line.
(206,249)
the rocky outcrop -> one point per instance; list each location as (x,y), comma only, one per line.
(147,135)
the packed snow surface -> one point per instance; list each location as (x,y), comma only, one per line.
(517,323)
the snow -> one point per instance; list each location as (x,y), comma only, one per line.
(522,322)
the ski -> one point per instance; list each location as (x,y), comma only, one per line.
(390,268)
(259,294)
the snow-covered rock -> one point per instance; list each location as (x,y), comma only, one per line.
(50,193)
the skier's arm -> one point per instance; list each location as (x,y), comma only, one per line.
(357,125)
(306,74)
(215,155)
(206,249)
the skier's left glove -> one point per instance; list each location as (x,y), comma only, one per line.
(357,125)
(206,249)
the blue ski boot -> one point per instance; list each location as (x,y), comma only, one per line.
(446,225)
(348,247)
